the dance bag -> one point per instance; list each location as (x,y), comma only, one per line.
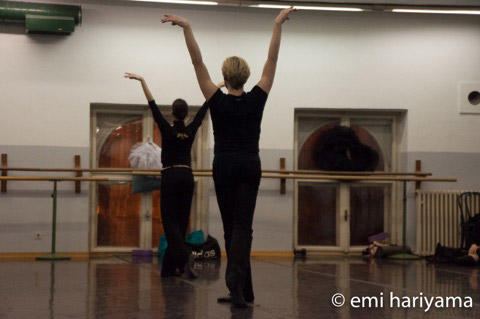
(471,231)
(145,184)
(210,250)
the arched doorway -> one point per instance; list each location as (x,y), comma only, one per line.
(338,216)
(118,210)
(122,221)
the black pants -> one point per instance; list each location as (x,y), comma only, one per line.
(458,256)
(176,200)
(237,178)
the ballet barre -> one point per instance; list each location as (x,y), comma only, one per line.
(121,171)
(265,174)
(393,177)
(199,170)
(55,180)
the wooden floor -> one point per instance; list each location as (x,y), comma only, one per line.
(119,287)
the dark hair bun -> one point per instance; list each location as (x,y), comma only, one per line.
(180,109)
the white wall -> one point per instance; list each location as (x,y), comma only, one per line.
(374,60)
(338,60)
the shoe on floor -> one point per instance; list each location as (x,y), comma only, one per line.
(228,299)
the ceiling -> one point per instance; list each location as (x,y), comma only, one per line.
(366,3)
(398,2)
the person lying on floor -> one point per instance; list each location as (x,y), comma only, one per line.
(458,256)
(377,249)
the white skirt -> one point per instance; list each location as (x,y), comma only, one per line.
(146,156)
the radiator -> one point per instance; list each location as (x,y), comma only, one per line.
(438,220)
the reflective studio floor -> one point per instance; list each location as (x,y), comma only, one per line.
(119,287)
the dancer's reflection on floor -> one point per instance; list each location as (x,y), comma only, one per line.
(180,295)
(473,279)
(179,298)
(241,313)
(208,270)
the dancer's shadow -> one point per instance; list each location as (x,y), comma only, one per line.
(179,298)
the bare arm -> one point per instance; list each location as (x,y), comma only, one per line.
(268,74)
(145,88)
(207,87)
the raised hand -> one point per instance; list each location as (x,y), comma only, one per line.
(175,20)
(283,15)
(140,78)
(132,76)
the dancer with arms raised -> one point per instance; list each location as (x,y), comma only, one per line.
(177,179)
(236,119)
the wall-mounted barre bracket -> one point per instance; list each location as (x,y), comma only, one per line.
(78,185)
(4,172)
(418,168)
(283,181)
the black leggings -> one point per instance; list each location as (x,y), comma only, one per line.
(237,178)
(176,200)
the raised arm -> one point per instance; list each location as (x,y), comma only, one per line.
(266,81)
(145,88)
(207,87)
(157,115)
(197,120)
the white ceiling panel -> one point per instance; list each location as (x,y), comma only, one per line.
(399,2)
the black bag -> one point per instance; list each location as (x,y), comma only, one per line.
(471,231)
(469,218)
(210,250)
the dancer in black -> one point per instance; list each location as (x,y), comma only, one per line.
(177,179)
(236,119)
(457,256)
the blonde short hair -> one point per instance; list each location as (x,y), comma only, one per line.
(235,71)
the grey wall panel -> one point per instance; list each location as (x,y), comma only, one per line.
(463,166)
(26,209)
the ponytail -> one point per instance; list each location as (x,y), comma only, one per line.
(179,127)
(180,111)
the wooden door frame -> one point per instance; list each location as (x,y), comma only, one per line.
(391,222)
(199,217)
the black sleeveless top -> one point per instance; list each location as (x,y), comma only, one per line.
(177,140)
